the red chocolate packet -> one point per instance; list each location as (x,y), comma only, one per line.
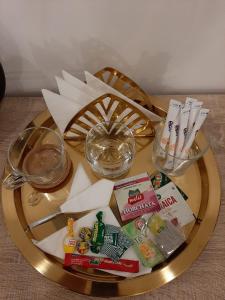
(123,265)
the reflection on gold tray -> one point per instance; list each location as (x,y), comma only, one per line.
(201,183)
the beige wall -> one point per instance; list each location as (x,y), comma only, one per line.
(168,46)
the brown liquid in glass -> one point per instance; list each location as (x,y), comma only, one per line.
(40,161)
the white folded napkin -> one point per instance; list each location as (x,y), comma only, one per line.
(95,196)
(83,87)
(80,183)
(83,196)
(75,94)
(104,88)
(69,91)
(61,108)
(53,244)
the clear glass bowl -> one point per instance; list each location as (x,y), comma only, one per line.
(110,149)
(161,156)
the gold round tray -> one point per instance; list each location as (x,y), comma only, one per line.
(201,183)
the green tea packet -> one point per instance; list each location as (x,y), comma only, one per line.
(146,250)
(160,179)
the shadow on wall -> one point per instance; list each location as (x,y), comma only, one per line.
(21,74)
(28,74)
(93,55)
(155,66)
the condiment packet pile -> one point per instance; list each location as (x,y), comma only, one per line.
(104,239)
(181,126)
(155,238)
(156,233)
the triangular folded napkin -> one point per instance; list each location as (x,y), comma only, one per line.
(83,87)
(83,196)
(95,196)
(80,183)
(61,108)
(75,94)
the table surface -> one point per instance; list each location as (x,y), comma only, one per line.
(204,280)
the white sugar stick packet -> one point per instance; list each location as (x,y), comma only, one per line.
(198,123)
(190,101)
(174,108)
(194,112)
(169,164)
(183,122)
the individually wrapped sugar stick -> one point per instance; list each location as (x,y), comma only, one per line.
(174,108)
(189,101)
(198,123)
(183,122)
(169,164)
(195,109)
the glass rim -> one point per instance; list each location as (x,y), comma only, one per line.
(195,157)
(113,122)
(12,144)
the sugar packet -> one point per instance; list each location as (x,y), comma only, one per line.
(173,112)
(194,112)
(197,125)
(183,128)
(169,164)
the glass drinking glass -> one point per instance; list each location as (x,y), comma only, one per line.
(110,149)
(179,165)
(38,157)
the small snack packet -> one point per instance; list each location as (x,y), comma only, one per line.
(98,232)
(82,247)
(111,235)
(135,196)
(85,233)
(69,242)
(115,242)
(104,263)
(146,250)
(165,235)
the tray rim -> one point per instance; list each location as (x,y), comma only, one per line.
(48,267)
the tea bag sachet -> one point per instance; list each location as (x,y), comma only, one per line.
(146,250)
(165,235)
